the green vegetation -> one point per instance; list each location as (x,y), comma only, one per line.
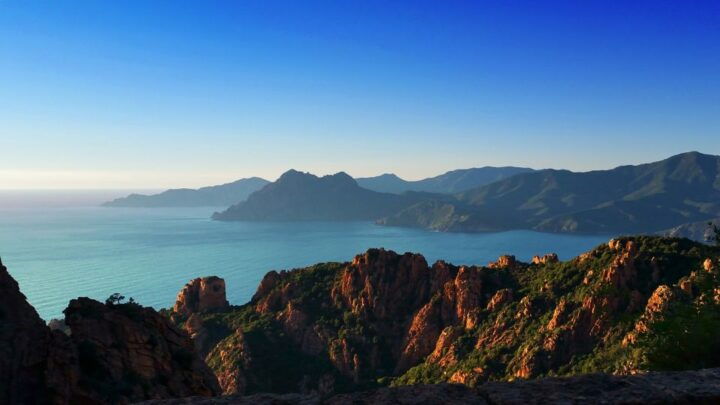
(645,198)
(563,318)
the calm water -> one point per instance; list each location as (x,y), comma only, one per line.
(58,253)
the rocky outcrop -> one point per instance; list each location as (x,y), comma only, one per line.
(504,261)
(115,354)
(32,366)
(708,265)
(201,295)
(545,259)
(385,314)
(129,351)
(685,387)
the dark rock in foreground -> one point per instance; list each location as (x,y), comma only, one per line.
(116,353)
(684,387)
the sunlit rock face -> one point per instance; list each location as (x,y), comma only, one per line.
(200,295)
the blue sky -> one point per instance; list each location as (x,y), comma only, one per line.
(146,94)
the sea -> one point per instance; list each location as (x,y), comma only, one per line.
(63,245)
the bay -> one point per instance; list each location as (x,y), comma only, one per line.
(57,253)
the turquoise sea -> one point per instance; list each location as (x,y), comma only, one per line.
(61,251)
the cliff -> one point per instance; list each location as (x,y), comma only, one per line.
(632,305)
(114,353)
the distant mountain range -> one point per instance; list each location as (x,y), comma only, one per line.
(238,191)
(676,196)
(451,182)
(298,196)
(644,198)
(217,196)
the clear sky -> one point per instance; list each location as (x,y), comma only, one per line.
(122,94)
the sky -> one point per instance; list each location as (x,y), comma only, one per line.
(158,94)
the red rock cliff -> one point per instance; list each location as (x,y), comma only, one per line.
(114,354)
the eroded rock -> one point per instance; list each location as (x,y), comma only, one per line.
(200,295)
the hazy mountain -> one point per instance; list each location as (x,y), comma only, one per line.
(298,196)
(385,183)
(644,198)
(215,196)
(699,231)
(451,182)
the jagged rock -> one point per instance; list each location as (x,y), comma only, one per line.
(114,354)
(708,265)
(232,380)
(545,259)
(384,284)
(201,294)
(422,337)
(383,313)
(504,261)
(658,303)
(30,367)
(499,298)
(132,352)
(443,354)
(559,315)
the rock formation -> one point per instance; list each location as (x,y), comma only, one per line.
(632,305)
(545,259)
(115,354)
(393,315)
(504,261)
(132,352)
(31,370)
(200,295)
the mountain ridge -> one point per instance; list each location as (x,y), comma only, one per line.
(211,196)
(299,196)
(643,198)
(449,182)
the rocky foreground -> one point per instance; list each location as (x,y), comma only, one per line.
(391,328)
(114,353)
(688,387)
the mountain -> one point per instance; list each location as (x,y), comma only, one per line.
(214,196)
(631,305)
(298,196)
(385,183)
(699,231)
(644,198)
(451,182)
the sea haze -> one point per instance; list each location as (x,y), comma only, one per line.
(59,253)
